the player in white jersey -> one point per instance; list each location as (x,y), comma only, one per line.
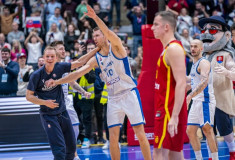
(60,49)
(123,97)
(202,110)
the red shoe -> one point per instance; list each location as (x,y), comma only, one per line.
(232,155)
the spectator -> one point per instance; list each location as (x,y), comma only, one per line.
(200,11)
(50,8)
(195,29)
(15,34)
(183,21)
(8,75)
(54,34)
(69,38)
(117,4)
(222,8)
(185,39)
(3,44)
(105,6)
(101,15)
(86,31)
(69,19)
(1,7)
(132,61)
(7,20)
(20,19)
(123,36)
(33,44)
(56,18)
(177,5)
(69,5)
(38,5)
(22,85)
(139,60)
(16,50)
(137,19)
(81,8)
(78,49)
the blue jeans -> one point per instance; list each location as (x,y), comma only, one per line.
(137,41)
(117,3)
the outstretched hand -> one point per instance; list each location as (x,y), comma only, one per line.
(90,12)
(87,94)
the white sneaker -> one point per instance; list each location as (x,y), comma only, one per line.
(86,143)
(106,145)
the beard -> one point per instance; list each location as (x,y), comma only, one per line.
(216,46)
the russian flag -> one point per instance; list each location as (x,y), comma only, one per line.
(33,22)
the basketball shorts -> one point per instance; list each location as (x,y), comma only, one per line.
(128,104)
(71,111)
(201,113)
(162,138)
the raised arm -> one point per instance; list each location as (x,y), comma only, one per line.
(204,70)
(79,89)
(32,98)
(84,59)
(110,35)
(175,58)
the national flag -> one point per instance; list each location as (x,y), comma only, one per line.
(33,22)
(220,59)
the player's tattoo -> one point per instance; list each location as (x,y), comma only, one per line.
(202,85)
(78,88)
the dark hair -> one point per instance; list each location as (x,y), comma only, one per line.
(96,4)
(6,8)
(233,27)
(55,43)
(169,17)
(5,49)
(40,57)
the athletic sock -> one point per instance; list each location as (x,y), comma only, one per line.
(215,156)
(208,149)
(198,155)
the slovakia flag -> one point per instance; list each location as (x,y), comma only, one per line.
(33,22)
(220,59)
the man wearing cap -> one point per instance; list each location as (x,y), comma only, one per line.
(8,74)
(22,85)
(216,37)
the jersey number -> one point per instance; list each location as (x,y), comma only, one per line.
(110,73)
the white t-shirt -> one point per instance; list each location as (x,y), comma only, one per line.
(34,52)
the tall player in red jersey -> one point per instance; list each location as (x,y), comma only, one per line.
(170,86)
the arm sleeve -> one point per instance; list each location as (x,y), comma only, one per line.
(14,70)
(33,81)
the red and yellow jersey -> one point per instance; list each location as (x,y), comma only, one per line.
(165,90)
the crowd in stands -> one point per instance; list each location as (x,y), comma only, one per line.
(27,26)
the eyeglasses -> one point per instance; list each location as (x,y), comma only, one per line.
(211,30)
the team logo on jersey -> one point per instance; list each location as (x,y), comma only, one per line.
(220,59)
(158,114)
(54,75)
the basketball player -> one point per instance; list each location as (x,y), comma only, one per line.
(53,114)
(59,47)
(203,107)
(170,86)
(123,96)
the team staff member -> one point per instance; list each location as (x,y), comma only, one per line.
(170,103)
(54,116)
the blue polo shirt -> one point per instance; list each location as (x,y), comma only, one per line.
(37,84)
